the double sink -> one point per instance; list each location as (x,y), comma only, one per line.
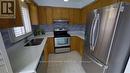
(34,42)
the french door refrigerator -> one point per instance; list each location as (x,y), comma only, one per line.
(107,39)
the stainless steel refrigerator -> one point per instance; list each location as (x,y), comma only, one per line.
(107,39)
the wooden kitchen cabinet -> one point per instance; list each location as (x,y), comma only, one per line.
(42,15)
(65,13)
(77,44)
(56,13)
(33,11)
(60,13)
(74,41)
(46,56)
(46,53)
(50,45)
(76,16)
(48,49)
(81,46)
(48,14)
(18,21)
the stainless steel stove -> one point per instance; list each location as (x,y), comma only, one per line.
(62,41)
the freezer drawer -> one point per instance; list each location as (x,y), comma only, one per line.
(92,67)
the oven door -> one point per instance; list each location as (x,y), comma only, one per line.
(62,41)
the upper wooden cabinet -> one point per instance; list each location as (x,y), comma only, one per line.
(48,14)
(18,21)
(57,13)
(76,16)
(33,11)
(60,13)
(42,15)
(8,23)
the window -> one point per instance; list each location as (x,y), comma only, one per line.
(26,19)
(18,31)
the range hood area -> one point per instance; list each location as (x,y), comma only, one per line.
(61,21)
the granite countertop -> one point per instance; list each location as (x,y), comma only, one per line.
(77,33)
(26,59)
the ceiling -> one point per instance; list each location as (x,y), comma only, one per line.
(61,3)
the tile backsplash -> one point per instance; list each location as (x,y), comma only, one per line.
(47,28)
(50,28)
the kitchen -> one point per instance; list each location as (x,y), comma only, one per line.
(55,37)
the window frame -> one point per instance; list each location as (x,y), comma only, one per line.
(12,33)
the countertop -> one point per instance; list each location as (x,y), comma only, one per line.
(77,33)
(26,59)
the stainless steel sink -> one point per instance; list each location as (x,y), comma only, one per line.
(34,42)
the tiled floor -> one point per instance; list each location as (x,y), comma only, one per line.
(65,63)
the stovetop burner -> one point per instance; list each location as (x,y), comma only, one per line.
(61,34)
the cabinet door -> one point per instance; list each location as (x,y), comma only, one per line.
(50,43)
(64,13)
(56,13)
(46,53)
(77,44)
(76,16)
(33,14)
(49,48)
(42,15)
(18,21)
(49,15)
(81,46)
(70,13)
(73,43)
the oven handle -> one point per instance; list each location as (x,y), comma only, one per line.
(60,45)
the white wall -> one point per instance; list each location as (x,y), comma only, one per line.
(127,70)
(61,3)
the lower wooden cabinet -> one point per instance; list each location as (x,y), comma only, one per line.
(48,49)
(46,54)
(50,45)
(77,44)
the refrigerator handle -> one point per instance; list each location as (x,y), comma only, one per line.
(96,24)
(91,32)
